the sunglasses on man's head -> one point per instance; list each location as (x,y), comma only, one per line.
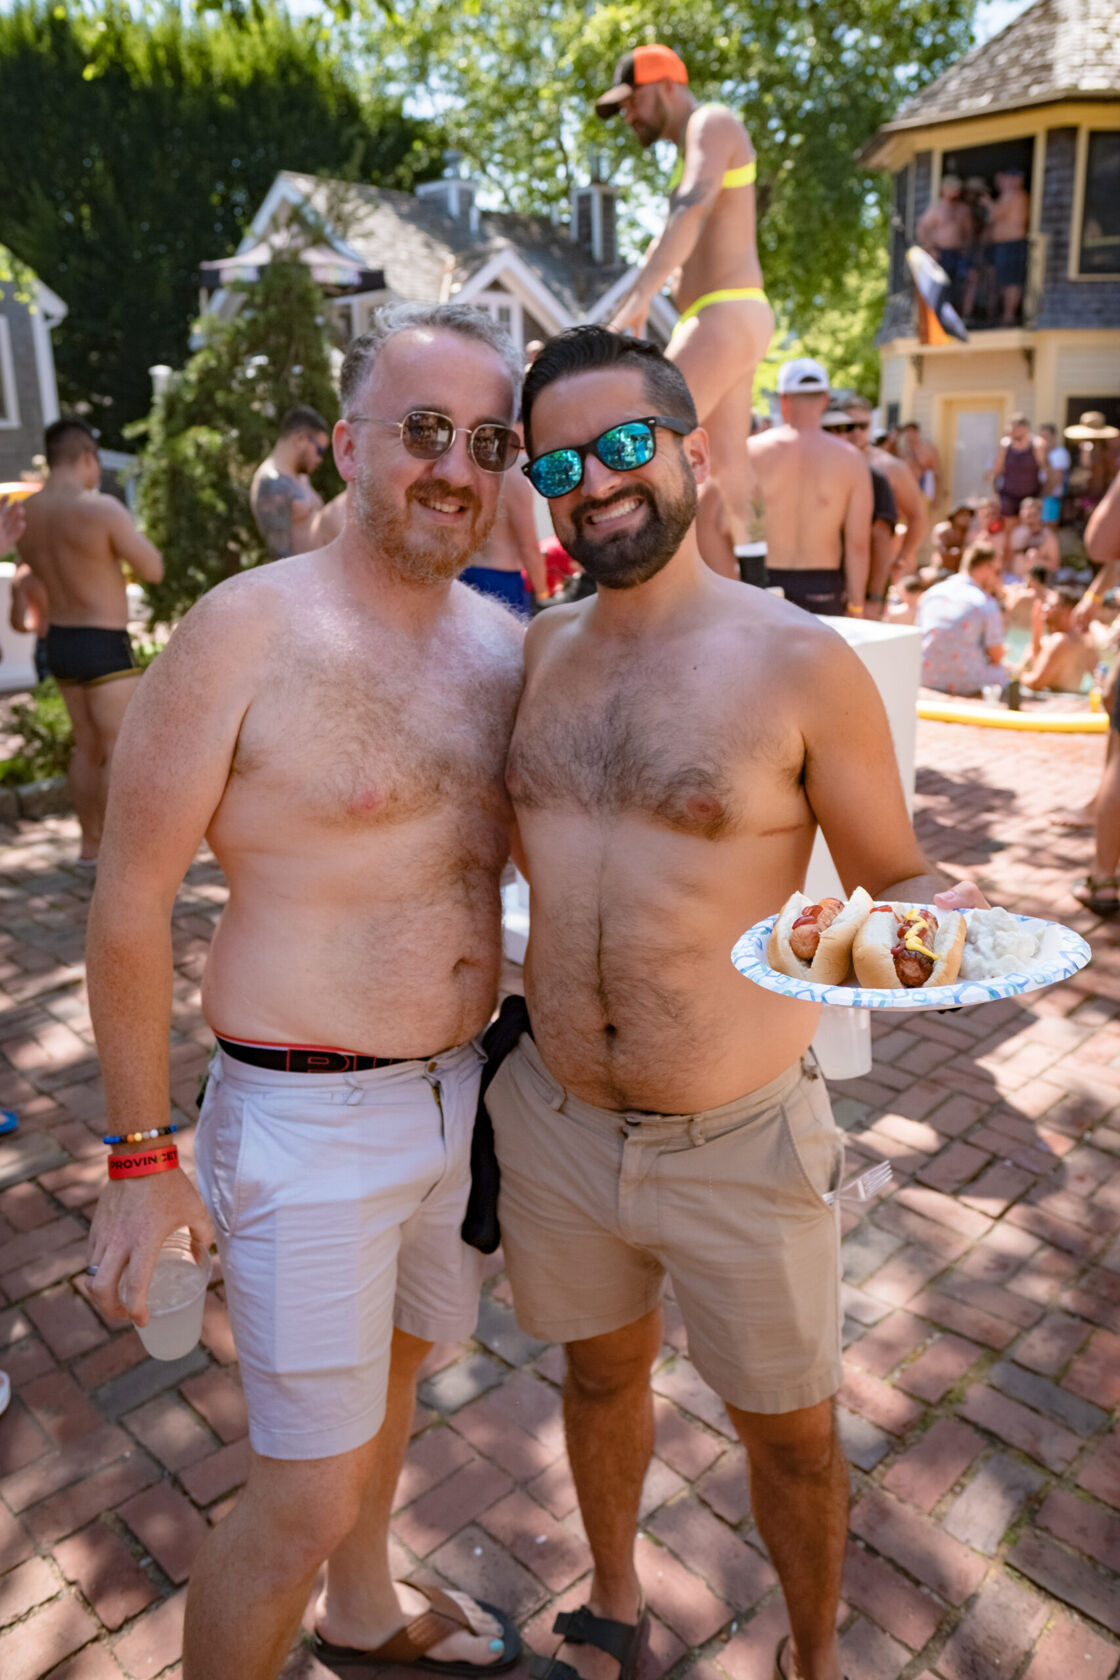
(622,448)
(427,435)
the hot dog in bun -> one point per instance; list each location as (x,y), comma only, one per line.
(908,945)
(813,940)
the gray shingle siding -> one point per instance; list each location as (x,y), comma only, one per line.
(923,180)
(899,230)
(18,444)
(900,318)
(1066,302)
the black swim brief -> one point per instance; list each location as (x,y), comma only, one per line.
(884,508)
(88,654)
(818,592)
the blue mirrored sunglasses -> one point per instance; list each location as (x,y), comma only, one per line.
(623,448)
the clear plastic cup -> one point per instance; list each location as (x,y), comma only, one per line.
(176,1299)
(992,693)
(842,1042)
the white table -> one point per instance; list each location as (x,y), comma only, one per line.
(17,651)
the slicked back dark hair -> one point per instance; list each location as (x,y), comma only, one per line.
(67,440)
(586,350)
(980,554)
(303,420)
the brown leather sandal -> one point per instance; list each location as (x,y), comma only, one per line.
(409,1646)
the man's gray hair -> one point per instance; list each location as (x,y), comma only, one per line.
(396,318)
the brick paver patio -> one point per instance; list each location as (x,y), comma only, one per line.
(983,1364)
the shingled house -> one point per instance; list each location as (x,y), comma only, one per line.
(533,275)
(1043,96)
(28,393)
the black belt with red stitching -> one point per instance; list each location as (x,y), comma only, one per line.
(305,1058)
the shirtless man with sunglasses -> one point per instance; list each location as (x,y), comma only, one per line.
(677,743)
(708,245)
(336,725)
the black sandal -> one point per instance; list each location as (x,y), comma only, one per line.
(621,1640)
(1088,891)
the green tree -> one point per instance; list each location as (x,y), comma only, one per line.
(216,421)
(514,80)
(136,143)
(841,335)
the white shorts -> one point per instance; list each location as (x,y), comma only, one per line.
(338,1200)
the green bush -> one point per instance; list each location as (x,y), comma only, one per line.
(44,726)
(217,420)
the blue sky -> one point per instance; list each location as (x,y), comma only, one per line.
(994,15)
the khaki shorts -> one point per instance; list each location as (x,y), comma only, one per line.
(597,1207)
(338,1200)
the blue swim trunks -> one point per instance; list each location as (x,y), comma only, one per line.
(507,587)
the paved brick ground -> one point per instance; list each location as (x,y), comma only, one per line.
(983,1302)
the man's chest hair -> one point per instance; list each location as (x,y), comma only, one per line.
(374,735)
(679,753)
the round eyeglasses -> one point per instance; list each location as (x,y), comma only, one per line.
(622,448)
(427,434)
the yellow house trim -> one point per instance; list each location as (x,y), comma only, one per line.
(1008,338)
(994,338)
(902,146)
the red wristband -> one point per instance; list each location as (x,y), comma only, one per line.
(142,1163)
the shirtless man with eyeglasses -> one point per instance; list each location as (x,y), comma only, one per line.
(336,725)
(708,249)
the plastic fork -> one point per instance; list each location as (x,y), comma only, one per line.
(862,1189)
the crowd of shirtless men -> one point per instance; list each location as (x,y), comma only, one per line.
(363,742)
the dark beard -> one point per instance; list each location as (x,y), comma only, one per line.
(439,558)
(633,557)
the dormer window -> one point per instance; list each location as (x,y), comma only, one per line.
(1099,248)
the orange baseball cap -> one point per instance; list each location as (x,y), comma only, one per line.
(637,69)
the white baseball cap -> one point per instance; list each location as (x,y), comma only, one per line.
(802,377)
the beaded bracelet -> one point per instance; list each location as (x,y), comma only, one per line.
(142,1165)
(141,1137)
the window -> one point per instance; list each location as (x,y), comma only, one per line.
(505,310)
(9,401)
(1100,215)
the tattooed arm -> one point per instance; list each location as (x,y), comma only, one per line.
(278,502)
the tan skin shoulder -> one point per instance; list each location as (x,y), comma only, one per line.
(718,134)
(546,630)
(218,647)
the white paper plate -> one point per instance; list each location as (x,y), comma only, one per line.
(1061,954)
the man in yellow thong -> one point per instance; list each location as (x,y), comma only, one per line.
(707,247)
